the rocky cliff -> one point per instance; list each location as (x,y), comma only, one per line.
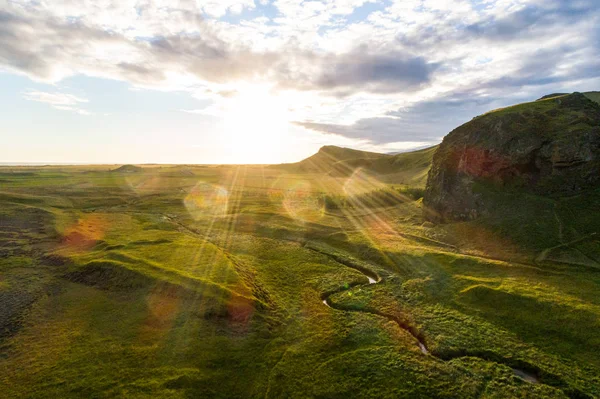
(547,147)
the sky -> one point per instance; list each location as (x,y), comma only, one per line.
(269,81)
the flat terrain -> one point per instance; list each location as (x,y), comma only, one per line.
(245,281)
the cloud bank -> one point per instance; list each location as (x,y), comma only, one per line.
(379,71)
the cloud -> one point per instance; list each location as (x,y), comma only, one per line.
(67,46)
(50,50)
(406,71)
(219,8)
(552,66)
(531,17)
(426,121)
(361,71)
(374,130)
(60,101)
(386,129)
(209,58)
(140,73)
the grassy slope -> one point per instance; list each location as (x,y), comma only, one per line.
(406,168)
(171,281)
(328,156)
(593,95)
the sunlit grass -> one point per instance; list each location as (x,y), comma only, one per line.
(208,282)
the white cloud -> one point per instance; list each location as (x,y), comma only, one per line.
(218,8)
(328,70)
(60,101)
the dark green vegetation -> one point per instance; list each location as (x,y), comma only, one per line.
(315,279)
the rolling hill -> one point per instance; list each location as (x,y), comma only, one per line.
(328,156)
(404,168)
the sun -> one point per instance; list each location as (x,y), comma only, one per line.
(256,124)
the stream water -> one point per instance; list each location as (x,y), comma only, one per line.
(374,279)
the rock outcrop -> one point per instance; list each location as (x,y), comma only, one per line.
(547,147)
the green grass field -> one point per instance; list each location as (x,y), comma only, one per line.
(210,281)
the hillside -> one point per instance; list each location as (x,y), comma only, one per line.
(128,169)
(403,168)
(328,156)
(547,147)
(529,172)
(593,95)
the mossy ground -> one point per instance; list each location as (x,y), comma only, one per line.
(201,282)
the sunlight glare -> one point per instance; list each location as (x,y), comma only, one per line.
(256,124)
(361,182)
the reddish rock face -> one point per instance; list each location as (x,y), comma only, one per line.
(546,147)
(479,162)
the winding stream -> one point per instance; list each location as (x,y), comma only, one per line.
(375,279)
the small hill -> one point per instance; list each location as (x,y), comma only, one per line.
(404,168)
(547,147)
(408,167)
(329,156)
(128,169)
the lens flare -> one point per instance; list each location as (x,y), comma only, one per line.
(301,203)
(206,199)
(144,183)
(85,233)
(361,182)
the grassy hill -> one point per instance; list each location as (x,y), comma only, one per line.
(408,168)
(328,156)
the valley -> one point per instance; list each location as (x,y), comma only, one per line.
(172,279)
